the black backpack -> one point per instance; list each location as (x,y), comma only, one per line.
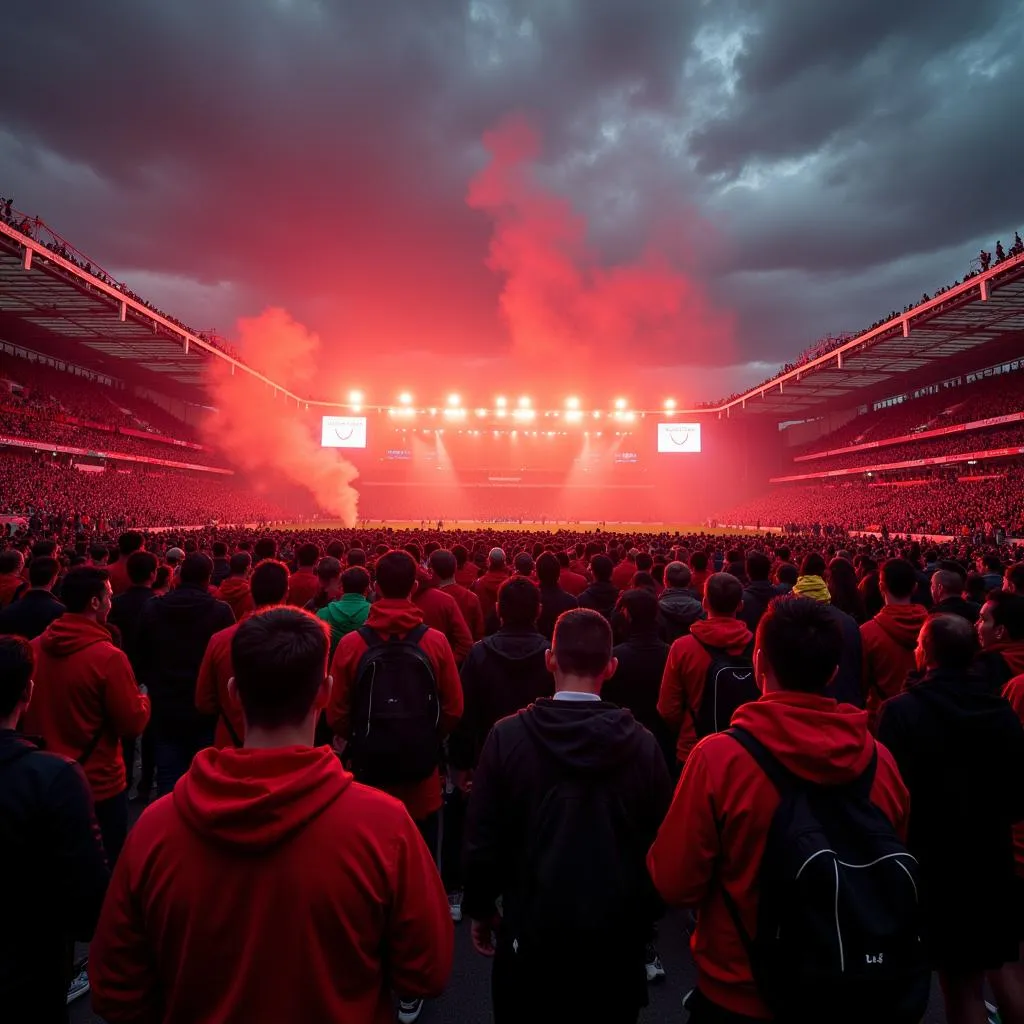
(838,920)
(729,684)
(394,735)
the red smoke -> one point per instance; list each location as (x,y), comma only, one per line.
(270,436)
(565,310)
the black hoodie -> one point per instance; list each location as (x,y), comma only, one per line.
(960,751)
(601,597)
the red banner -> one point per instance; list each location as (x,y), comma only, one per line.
(63,449)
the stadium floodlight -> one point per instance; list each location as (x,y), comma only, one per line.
(355,398)
(670,404)
(481,413)
(620,404)
(454,401)
(524,414)
(405,398)
(523,403)
(501,401)
(572,402)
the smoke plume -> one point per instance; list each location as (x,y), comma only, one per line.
(565,310)
(270,437)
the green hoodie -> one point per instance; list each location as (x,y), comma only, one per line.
(344,615)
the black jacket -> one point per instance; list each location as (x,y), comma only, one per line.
(553,601)
(126,614)
(636,684)
(29,616)
(756,596)
(848,687)
(502,674)
(601,597)
(524,757)
(173,633)
(51,856)
(960,751)
(958,606)
(678,609)
(221,571)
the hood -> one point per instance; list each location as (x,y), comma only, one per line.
(14,746)
(604,588)
(813,737)
(72,633)
(232,587)
(347,613)
(902,623)
(1013,654)
(731,635)
(516,645)
(185,602)
(584,736)
(958,697)
(762,588)
(814,587)
(394,615)
(681,605)
(257,799)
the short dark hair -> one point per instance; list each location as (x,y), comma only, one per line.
(328,568)
(518,603)
(723,593)
(443,563)
(699,561)
(140,566)
(641,605)
(948,641)
(524,563)
(601,566)
(163,576)
(11,560)
(678,575)
(81,585)
(1007,611)
(266,547)
(279,658)
(992,562)
(196,569)
(42,571)
(461,555)
(548,568)
(16,664)
(1015,576)
(129,541)
(240,563)
(787,573)
(899,577)
(759,566)
(220,549)
(814,565)
(582,642)
(357,556)
(269,583)
(355,580)
(307,554)
(949,580)
(644,562)
(801,642)
(396,574)
(99,552)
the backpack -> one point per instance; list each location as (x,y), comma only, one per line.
(729,684)
(838,921)
(394,735)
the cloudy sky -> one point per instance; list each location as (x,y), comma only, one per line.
(517,190)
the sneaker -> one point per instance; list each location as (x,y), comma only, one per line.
(455,905)
(653,966)
(80,983)
(409,1010)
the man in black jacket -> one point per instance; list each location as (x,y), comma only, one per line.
(567,797)
(173,633)
(602,594)
(51,857)
(679,607)
(37,607)
(759,591)
(960,751)
(553,599)
(947,588)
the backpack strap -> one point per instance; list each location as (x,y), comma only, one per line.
(779,777)
(370,637)
(414,636)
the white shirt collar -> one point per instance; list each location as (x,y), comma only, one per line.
(576,695)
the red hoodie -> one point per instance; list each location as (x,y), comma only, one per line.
(235,592)
(682,683)
(269,886)
(469,605)
(11,584)
(1014,693)
(467,575)
(441,612)
(486,588)
(212,697)
(120,581)
(391,616)
(1012,652)
(303,586)
(889,639)
(572,582)
(714,833)
(623,573)
(85,686)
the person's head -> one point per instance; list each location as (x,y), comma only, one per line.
(306,556)
(141,567)
(268,583)
(723,595)
(699,561)
(99,554)
(644,562)
(174,557)
(945,642)
(443,565)
(328,571)
(163,579)
(580,657)
(12,561)
(220,549)
(897,581)
(601,566)
(518,603)
(16,665)
(524,564)
(197,569)
(677,575)
(945,584)
(357,556)
(86,591)
(813,565)
(759,567)
(240,564)
(798,646)
(640,607)
(548,569)
(1013,581)
(643,580)
(1002,619)
(991,563)
(42,573)
(279,658)
(266,547)
(396,574)
(461,553)
(129,542)
(496,560)
(355,581)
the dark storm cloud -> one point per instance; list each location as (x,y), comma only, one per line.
(809,158)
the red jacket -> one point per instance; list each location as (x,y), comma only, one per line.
(467,575)
(235,591)
(572,582)
(1012,652)
(392,616)
(623,573)
(1014,693)
(269,886)
(889,640)
(85,686)
(682,683)
(303,586)
(486,588)
(10,585)
(714,833)
(119,579)
(441,612)
(212,697)
(469,605)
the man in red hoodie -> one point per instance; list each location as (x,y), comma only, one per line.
(443,566)
(235,589)
(890,638)
(86,698)
(442,612)
(682,684)
(269,587)
(304,584)
(714,835)
(270,886)
(1001,635)
(487,586)
(12,582)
